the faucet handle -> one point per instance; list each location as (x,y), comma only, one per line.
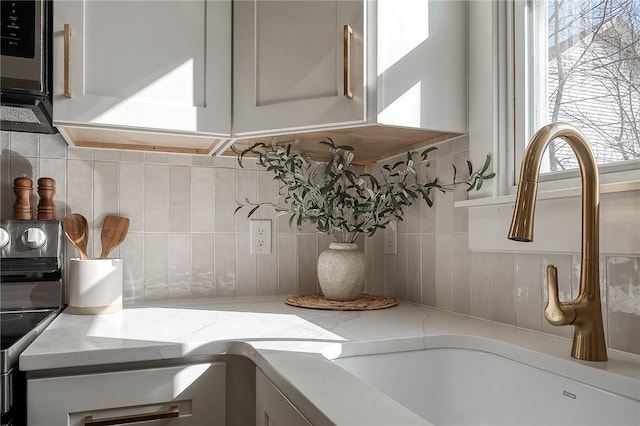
(557,312)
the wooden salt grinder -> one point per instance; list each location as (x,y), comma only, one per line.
(23,188)
(46,205)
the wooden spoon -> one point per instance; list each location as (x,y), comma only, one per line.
(114,231)
(77,231)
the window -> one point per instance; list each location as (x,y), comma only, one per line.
(511,93)
(585,70)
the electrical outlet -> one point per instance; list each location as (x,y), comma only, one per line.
(260,236)
(390,240)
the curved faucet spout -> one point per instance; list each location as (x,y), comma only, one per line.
(585,312)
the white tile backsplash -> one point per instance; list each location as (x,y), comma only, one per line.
(225,200)
(225,261)
(52,146)
(528,296)
(202,264)
(246,267)
(481,285)
(414,268)
(460,274)
(179,266)
(24,144)
(287,263)
(6,186)
(74,153)
(132,251)
(307,256)
(80,197)
(503,277)
(156,198)
(106,155)
(5,141)
(444,271)
(202,199)
(105,189)
(132,156)
(246,188)
(156,260)
(443,202)
(131,194)
(374,250)
(267,270)
(184,240)
(402,265)
(179,199)
(428,269)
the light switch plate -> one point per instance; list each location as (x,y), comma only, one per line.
(390,240)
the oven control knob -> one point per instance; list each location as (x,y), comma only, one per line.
(4,238)
(34,238)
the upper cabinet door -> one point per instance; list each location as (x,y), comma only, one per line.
(291,60)
(162,65)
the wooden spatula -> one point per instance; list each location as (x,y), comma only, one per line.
(77,231)
(114,231)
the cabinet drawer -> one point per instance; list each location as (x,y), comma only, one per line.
(273,408)
(195,391)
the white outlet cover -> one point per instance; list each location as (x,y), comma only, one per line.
(260,236)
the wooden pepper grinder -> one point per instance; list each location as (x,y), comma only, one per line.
(46,205)
(23,188)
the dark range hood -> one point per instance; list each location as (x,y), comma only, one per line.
(25,68)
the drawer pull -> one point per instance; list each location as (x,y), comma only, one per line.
(133,418)
(347,33)
(67,37)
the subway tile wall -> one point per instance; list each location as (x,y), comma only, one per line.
(434,267)
(184,240)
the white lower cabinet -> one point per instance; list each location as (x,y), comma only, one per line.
(273,408)
(191,394)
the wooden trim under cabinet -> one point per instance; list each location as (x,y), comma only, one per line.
(372,143)
(89,137)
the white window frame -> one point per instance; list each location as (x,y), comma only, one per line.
(499,114)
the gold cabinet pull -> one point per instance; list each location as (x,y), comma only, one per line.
(67,37)
(347,33)
(133,418)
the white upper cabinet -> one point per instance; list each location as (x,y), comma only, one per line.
(384,76)
(290,63)
(161,66)
(419,77)
(406,61)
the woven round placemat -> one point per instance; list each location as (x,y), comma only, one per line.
(364,302)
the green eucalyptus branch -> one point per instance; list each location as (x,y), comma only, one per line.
(341,203)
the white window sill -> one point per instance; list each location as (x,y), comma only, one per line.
(607,188)
(557,227)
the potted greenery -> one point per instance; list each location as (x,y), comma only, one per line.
(344,204)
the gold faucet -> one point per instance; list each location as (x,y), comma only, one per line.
(585,312)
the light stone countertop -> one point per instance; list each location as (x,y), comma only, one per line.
(293,347)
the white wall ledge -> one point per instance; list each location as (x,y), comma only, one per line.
(607,188)
(557,226)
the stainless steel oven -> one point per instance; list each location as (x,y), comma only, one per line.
(25,69)
(31,295)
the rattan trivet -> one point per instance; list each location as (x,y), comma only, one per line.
(365,302)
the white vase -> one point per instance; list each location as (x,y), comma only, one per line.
(341,271)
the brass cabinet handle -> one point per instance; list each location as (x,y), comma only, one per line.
(133,418)
(347,33)
(67,37)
